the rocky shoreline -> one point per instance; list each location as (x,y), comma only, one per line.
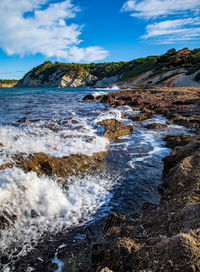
(163,237)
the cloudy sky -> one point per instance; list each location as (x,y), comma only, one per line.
(33,31)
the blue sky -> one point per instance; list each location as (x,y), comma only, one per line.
(33,31)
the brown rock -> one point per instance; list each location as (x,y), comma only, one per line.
(106,269)
(179,140)
(156,126)
(178,154)
(24,120)
(108,99)
(55,166)
(141,117)
(115,129)
(89,97)
(113,220)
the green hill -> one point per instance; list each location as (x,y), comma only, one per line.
(171,60)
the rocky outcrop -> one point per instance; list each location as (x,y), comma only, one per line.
(106,81)
(179,140)
(55,166)
(159,238)
(180,105)
(58,80)
(115,129)
(156,126)
(142,116)
(174,78)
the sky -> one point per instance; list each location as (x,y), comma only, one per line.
(84,31)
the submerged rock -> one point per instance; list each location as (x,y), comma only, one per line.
(115,129)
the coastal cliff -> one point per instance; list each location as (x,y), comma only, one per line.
(172,69)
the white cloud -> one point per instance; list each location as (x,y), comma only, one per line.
(37,26)
(129,6)
(182,15)
(174,27)
(155,8)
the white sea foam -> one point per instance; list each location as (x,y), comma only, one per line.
(40,205)
(35,138)
(110,114)
(113,88)
(95,94)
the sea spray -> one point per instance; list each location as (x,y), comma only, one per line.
(38,137)
(37,205)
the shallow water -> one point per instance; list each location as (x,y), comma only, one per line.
(62,124)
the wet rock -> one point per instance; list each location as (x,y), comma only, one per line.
(24,120)
(178,154)
(179,140)
(89,97)
(114,220)
(156,126)
(165,237)
(108,99)
(182,250)
(190,121)
(115,129)
(181,177)
(55,166)
(142,116)
(119,103)
(106,269)
(123,115)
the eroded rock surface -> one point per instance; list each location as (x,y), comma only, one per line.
(156,126)
(163,237)
(159,238)
(55,166)
(115,129)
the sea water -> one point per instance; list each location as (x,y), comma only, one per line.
(61,123)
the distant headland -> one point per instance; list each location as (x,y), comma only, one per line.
(172,69)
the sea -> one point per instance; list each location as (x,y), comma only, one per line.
(63,124)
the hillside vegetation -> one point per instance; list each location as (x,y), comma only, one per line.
(171,60)
(8,81)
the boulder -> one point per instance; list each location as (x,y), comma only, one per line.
(178,154)
(89,97)
(156,126)
(179,140)
(141,117)
(115,129)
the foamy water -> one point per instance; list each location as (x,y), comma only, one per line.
(34,206)
(60,141)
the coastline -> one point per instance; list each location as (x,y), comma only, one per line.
(161,237)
